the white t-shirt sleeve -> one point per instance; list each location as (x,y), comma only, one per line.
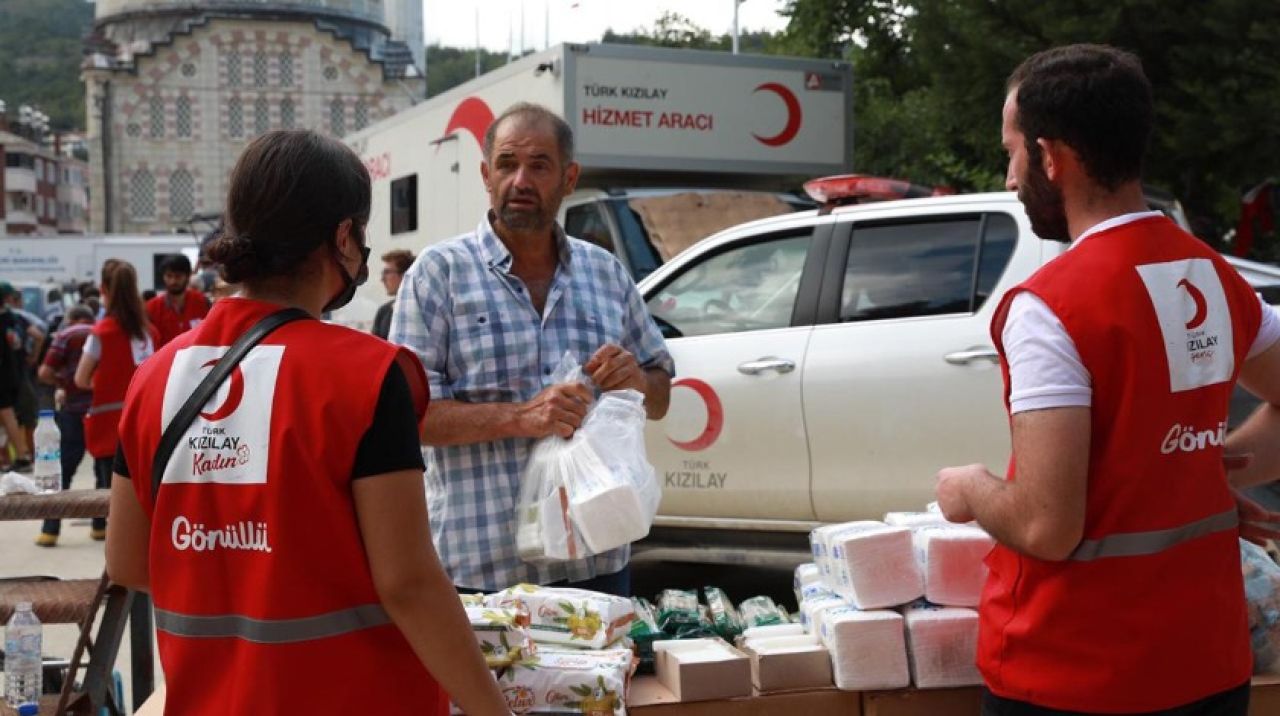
(1045,370)
(1268,330)
(92,347)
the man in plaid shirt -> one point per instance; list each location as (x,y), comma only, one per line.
(490,314)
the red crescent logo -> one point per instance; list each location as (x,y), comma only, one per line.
(794,115)
(471,115)
(1202,306)
(715,415)
(234,395)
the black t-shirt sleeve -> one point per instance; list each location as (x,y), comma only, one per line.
(391,443)
(120,466)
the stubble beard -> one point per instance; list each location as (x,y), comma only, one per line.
(1044,204)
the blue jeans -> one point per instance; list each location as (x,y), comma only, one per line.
(71,425)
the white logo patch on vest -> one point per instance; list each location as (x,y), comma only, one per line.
(228,442)
(1191,306)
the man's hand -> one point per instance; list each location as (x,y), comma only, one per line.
(557,410)
(952,497)
(613,368)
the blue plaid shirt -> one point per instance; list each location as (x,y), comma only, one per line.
(481,341)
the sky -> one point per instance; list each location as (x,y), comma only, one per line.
(453,22)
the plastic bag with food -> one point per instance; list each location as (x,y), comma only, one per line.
(561,682)
(502,633)
(569,617)
(592,492)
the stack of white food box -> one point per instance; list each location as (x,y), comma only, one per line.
(893,601)
(556,650)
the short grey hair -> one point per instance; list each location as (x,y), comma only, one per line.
(533,113)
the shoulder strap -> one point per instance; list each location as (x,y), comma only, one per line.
(203,392)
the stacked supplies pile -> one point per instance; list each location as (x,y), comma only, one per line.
(893,601)
(557,650)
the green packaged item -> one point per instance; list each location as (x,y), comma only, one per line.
(761,611)
(678,610)
(724,618)
(645,627)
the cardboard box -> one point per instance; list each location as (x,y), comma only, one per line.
(702,669)
(650,698)
(788,663)
(1264,697)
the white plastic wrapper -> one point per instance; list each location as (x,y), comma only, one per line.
(951,559)
(942,645)
(820,544)
(15,483)
(569,617)
(502,634)
(563,682)
(806,574)
(1262,592)
(868,649)
(915,520)
(875,565)
(811,609)
(595,491)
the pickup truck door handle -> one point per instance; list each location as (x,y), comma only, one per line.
(760,365)
(968,356)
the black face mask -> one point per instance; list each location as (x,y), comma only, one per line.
(350,284)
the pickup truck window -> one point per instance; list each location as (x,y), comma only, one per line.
(585,222)
(748,287)
(999,237)
(910,269)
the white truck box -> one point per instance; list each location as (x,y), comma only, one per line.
(72,259)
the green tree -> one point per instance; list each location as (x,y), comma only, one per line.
(930,74)
(40,54)
(448,67)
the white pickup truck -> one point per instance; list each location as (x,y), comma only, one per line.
(829,363)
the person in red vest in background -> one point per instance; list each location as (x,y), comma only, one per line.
(119,343)
(179,308)
(287,546)
(1115,584)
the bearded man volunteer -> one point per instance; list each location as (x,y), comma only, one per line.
(178,308)
(490,314)
(1115,585)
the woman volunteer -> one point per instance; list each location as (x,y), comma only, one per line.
(111,354)
(294,569)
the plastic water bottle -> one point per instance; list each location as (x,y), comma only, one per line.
(48,463)
(23,641)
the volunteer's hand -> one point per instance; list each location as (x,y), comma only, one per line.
(613,368)
(952,497)
(59,398)
(557,410)
(1257,523)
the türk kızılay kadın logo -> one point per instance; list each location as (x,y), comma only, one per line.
(229,440)
(1191,307)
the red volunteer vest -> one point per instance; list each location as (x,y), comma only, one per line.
(263,594)
(169,322)
(1149,613)
(110,381)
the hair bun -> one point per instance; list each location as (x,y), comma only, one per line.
(236,257)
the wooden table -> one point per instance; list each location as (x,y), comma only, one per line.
(69,601)
(648,698)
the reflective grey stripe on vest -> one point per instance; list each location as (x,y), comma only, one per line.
(272,631)
(105,408)
(1135,544)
